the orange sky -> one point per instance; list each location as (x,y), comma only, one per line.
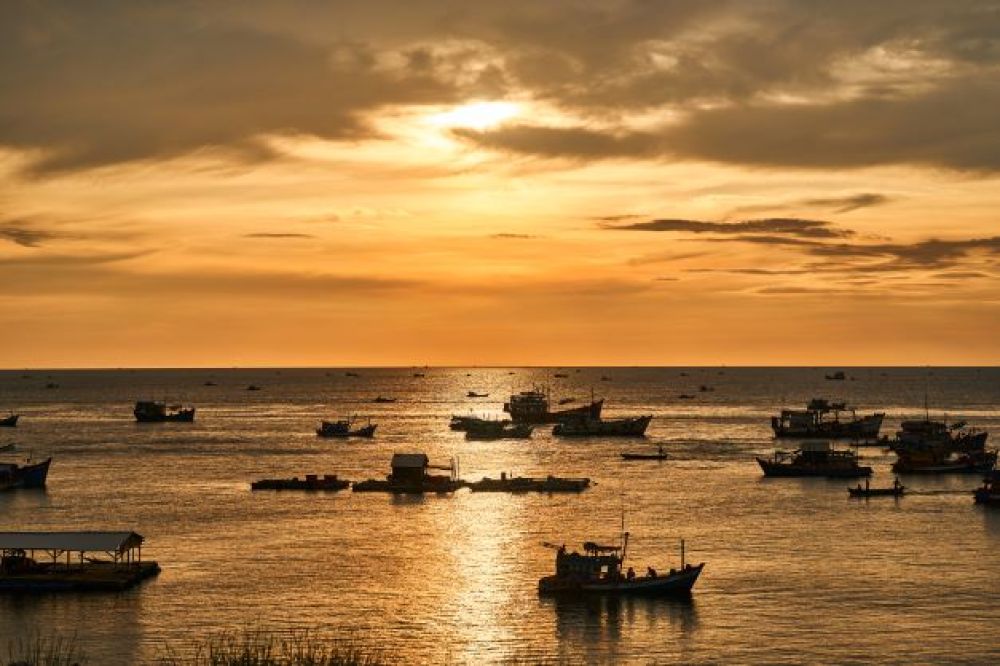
(632,183)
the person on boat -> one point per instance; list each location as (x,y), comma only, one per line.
(651,572)
(630,574)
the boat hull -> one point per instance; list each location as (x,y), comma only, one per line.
(591,411)
(24,476)
(9,421)
(631,427)
(678,583)
(644,456)
(771,468)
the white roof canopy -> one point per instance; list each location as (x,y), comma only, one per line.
(116,542)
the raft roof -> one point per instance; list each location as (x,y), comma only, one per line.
(77,542)
(409,460)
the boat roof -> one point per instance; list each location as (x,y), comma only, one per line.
(419,460)
(81,542)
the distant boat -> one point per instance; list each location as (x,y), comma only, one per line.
(383,399)
(7,448)
(605,378)
(533,407)
(487,430)
(311,482)
(345,428)
(253,387)
(896,490)
(462,423)
(149,411)
(934,447)
(705,389)
(659,455)
(523,484)
(52,385)
(627,427)
(815,422)
(838,376)
(209,383)
(561,375)
(418,374)
(351,374)
(685,396)
(9,421)
(473,394)
(29,475)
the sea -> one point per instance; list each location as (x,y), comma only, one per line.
(795,571)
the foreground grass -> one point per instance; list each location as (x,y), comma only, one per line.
(37,650)
(258,647)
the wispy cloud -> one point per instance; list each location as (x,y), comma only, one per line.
(264,234)
(23,235)
(510,236)
(791,226)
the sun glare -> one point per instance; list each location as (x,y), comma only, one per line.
(477,115)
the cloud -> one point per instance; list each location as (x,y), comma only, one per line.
(790,226)
(843,204)
(20,234)
(510,236)
(277,235)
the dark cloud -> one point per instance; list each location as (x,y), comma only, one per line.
(513,236)
(790,226)
(277,235)
(21,234)
(843,204)
(576,143)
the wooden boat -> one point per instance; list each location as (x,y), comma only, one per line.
(311,482)
(533,407)
(659,455)
(463,423)
(345,428)
(28,475)
(253,387)
(410,475)
(9,421)
(814,459)
(487,430)
(822,419)
(685,396)
(566,401)
(989,493)
(7,448)
(522,484)
(150,411)
(896,490)
(383,400)
(628,427)
(935,447)
(473,394)
(598,571)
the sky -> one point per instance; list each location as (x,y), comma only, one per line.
(673,182)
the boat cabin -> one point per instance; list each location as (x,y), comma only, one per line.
(528,404)
(409,467)
(597,562)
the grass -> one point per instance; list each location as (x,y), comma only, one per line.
(37,650)
(259,647)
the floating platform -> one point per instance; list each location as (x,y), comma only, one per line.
(311,482)
(380,486)
(87,577)
(521,484)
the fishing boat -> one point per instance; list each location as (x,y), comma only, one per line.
(384,400)
(9,421)
(345,428)
(533,407)
(935,447)
(150,411)
(896,490)
(7,448)
(523,484)
(463,423)
(989,493)
(838,376)
(487,430)
(585,427)
(310,482)
(814,459)
(253,387)
(685,396)
(660,454)
(560,375)
(598,571)
(822,419)
(28,475)
(473,394)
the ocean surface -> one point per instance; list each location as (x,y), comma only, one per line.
(795,571)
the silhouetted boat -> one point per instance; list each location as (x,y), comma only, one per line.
(462,423)
(896,490)
(409,475)
(52,385)
(989,493)
(209,383)
(533,407)
(9,421)
(522,484)
(837,376)
(28,475)
(705,388)
(150,411)
(383,400)
(813,421)
(659,455)
(311,482)
(605,378)
(7,448)
(473,394)
(253,387)
(345,428)
(351,374)
(561,375)
(418,374)
(583,427)
(934,447)
(598,570)
(486,430)
(685,396)
(814,459)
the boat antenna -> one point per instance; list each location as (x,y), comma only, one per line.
(927,409)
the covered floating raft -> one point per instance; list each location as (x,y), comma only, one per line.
(522,484)
(311,482)
(72,561)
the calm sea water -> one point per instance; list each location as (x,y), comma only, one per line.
(795,571)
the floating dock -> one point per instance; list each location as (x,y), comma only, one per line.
(61,561)
(310,482)
(523,484)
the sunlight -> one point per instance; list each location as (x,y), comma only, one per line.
(476,115)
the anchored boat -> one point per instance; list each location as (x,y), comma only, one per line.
(311,482)
(522,484)
(345,428)
(487,430)
(989,493)
(896,490)
(150,411)
(533,407)
(659,455)
(822,418)
(587,427)
(934,447)
(28,475)
(410,475)
(9,421)
(814,459)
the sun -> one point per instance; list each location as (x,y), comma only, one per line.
(476,115)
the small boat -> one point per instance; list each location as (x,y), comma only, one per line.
(418,374)
(52,385)
(7,448)
(253,387)
(523,484)
(151,411)
(351,374)
(814,459)
(627,427)
(685,396)
(989,493)
(473,394)
(838,376)
(344,428)
(28,475)
(605,378)
(9,421)
(659,455)
(384,400)
(311,482)
(487,430)
(704,388)
(560,375)
(463,423)
(896,490)
(209,383)
(598,570)
(822,419)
